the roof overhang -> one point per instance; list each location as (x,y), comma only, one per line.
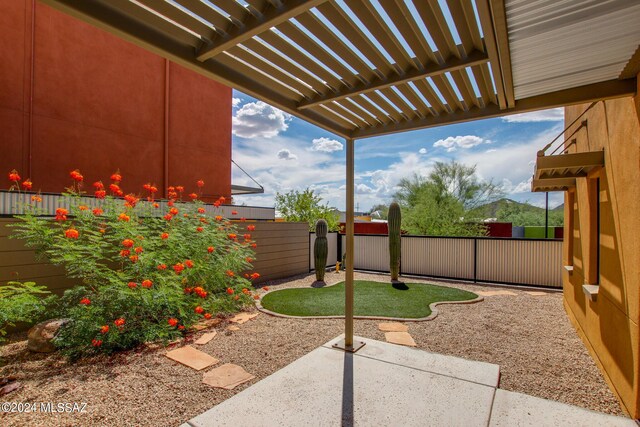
(360,69)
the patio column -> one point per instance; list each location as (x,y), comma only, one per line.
(348,289)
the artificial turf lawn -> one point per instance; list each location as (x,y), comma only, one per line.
(370,299)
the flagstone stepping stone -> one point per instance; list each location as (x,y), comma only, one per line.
(241,318)
(192,357)
(393,327)
(206,324)
(227,376)
(535,293)
(402,338)
(494,293)
(205,338)
(233,328)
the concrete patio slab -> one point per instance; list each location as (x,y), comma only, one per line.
(329,387)
(451,366)
(516,409)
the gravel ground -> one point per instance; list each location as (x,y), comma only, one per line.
(530,337)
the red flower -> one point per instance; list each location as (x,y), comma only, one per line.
(265,288)
(230,291)
(254,276)
(156,205)
(153,189)
(139,249)
(85,301)
(168,217)
(216,203)
(173,211)
(162,267)
(256,297)
(131,200)
(187,291)
(164,236)
(207,316)
(179,188)
(234,212)
(61,214)
(76,175)
(97,211)
(125,253)
(199,310)
(100,194)
(201,210)
(193,196)
(147,186)
(146,284)
(83,208)
(204,220)
(36,198)
(98,185)
(222,199)
(96,343)
(237,297)
(199,229)
(211,249)
(245,290)
(189,263)
(104,329)
(230,273)
(170,203)
(102,230)
(172,322)
(218,218)
(200,292)
(181,328)
(200,183)
(14,176)
(243,219)
(171,188)
(119,322)
(178,267)
(123,217)
(127,243)
(249,259)
(116,177)
(133,258)
(254,245)
(247,236)
(27,184)
(232,236)
(132,285)
(71,233)
(251,227)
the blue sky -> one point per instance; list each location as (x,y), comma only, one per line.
(284,153)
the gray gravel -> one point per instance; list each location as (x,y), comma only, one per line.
(530,337)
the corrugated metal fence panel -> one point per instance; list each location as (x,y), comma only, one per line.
(332,256)
(370,252)
(531,262)
(434,256)
(12,203)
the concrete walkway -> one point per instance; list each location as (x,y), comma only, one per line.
(390,385)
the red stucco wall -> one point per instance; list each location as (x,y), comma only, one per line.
(73,96)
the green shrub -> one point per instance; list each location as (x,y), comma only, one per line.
(147,273)
(21,302)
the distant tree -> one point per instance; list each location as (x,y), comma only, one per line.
(380,211)
(438,204)
(306,206)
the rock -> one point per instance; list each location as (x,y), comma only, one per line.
(41,335)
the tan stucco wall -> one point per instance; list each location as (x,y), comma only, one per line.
(609,325)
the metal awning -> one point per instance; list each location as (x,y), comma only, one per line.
(360,68)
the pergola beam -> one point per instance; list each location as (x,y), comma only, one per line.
(432,69)
(484,12)
(499,20)
(102,14)
(255,25)
(576,95)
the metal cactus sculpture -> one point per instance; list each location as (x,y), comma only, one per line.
(394,220)
(320,249)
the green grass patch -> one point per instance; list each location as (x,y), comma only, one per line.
(370,299)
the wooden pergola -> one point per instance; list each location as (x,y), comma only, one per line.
(363,68)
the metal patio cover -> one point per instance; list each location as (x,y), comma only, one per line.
(361,68)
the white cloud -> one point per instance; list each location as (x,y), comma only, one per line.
(454,142)
(553,115)
(363,189)
(522,187)
(235,102)
(422,151)
(327,145)
(257,119)
(286,155)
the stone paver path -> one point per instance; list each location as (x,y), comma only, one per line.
(192,357)
(402,338)
(495,293)
(205,338)
(393,327)
(227,376)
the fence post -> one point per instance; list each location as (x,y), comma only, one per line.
(475,260)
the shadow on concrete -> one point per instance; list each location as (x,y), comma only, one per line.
(347,390)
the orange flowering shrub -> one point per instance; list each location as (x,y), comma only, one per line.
(147,273)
